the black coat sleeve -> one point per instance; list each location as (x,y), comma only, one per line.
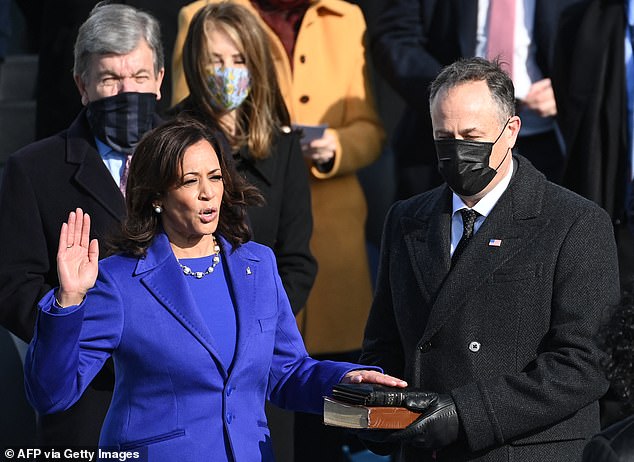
(285,223)
(600,450)
(400,50)
(25,270)
(295,262)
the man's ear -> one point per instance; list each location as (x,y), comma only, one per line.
(513,125)
(82,89)
(159,81)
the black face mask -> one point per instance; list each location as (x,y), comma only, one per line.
(121,120)
(464,164)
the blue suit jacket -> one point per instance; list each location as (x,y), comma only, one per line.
(172,393)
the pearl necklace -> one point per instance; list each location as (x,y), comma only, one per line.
(187,271)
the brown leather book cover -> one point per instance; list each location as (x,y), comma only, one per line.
(340,414)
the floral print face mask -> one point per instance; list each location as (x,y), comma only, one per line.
(229,87)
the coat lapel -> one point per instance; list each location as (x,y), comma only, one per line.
(427,240)
(515,221)
(243,271)
(92,174)
(164,279)
(265,168)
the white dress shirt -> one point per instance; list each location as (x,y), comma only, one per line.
(525,68)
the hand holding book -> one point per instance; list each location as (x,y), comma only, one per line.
(425,419)
(438,425)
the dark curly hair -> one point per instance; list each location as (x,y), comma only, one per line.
(155,168)
(617,337)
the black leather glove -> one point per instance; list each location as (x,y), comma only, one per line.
(419,401)
(415,400)
(437,427)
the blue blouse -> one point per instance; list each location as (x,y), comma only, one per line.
(213,297)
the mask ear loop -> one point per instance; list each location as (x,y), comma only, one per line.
(503,128)
(502,161)
(496,140)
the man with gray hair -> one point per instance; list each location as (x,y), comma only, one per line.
(118,71)
(490,292)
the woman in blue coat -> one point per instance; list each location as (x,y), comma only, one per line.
(194,315)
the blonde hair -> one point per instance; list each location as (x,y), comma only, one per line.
(264,110)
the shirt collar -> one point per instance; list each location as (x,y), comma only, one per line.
(102,147)
(106,151)
(486,204)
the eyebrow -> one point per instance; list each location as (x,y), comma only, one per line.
(196,173)
(463,132)
(110,73)
(234,56)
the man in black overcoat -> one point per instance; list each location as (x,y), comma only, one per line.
(490,292)
(118,71)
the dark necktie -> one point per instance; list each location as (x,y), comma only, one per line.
(468,220)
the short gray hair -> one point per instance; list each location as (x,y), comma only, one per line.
(478,69)
(118,29)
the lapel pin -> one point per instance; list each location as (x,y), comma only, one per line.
(495,242)
(248,270)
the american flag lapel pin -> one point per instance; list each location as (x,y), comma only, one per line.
(495,242)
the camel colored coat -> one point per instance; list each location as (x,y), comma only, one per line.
(329,85)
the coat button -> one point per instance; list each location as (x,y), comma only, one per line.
(425,347)
(229,418)
(304,99)
(302,59)
(474,346)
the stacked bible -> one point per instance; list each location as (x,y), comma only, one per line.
(368,406)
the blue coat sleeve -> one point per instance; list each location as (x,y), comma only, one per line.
(70,346)
(297,381)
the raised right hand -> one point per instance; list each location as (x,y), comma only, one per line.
(77,258)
